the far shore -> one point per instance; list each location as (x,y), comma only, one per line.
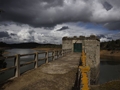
(47,49)
(110,54)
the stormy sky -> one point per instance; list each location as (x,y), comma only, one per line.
(47,21)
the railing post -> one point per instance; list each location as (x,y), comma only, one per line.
(58,53)
(65,52)
(17,64)
(36,60)
(53,55)
(62,52)
(47,54)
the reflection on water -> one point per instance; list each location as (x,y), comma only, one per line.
(110,58)
(109,70)
(19,51)
(10,62)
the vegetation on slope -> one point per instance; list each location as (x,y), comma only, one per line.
(29,45)
(110,45)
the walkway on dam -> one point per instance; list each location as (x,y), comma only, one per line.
(55,75)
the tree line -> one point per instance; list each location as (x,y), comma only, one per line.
(30,45)
(110,45)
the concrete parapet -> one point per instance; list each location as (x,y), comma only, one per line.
(91,37)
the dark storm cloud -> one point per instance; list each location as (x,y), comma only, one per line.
(101,36)
(48,13)
(107,6)
(110,38)
(4,34)
(63,28)
(12,34)
(113,25)
(30,12)
(106,37)
(39,13)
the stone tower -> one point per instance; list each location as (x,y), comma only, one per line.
(91,46)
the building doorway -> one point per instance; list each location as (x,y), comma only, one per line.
(77,47)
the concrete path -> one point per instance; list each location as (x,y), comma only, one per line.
(56,75)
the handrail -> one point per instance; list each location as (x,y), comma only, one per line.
(42,59)
(27,63)
(10,56)
(4,69)
(42,52)
(27,54)
(55,55)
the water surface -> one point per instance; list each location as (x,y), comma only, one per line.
(109,70)
(10,62)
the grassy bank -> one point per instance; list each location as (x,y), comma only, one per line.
(110,53)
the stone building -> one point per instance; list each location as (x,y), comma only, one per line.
(91,46)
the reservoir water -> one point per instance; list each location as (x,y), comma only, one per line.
(109,69)
(10,62)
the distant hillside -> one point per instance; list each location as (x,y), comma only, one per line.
(110,45)
(29,45)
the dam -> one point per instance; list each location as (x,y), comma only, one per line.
(75,67)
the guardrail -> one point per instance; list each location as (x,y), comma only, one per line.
(54,55)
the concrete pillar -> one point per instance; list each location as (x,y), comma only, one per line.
(62,53)
(58,53)
(36,60)
(47,54)
(53,55)
(17,64)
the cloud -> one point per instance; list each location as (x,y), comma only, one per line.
(101,36)
(109,36)
(12,34)
(48,13)
(25,33)
(4,34)
(107,6)
(63,28)
(105,37)
(113,25)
